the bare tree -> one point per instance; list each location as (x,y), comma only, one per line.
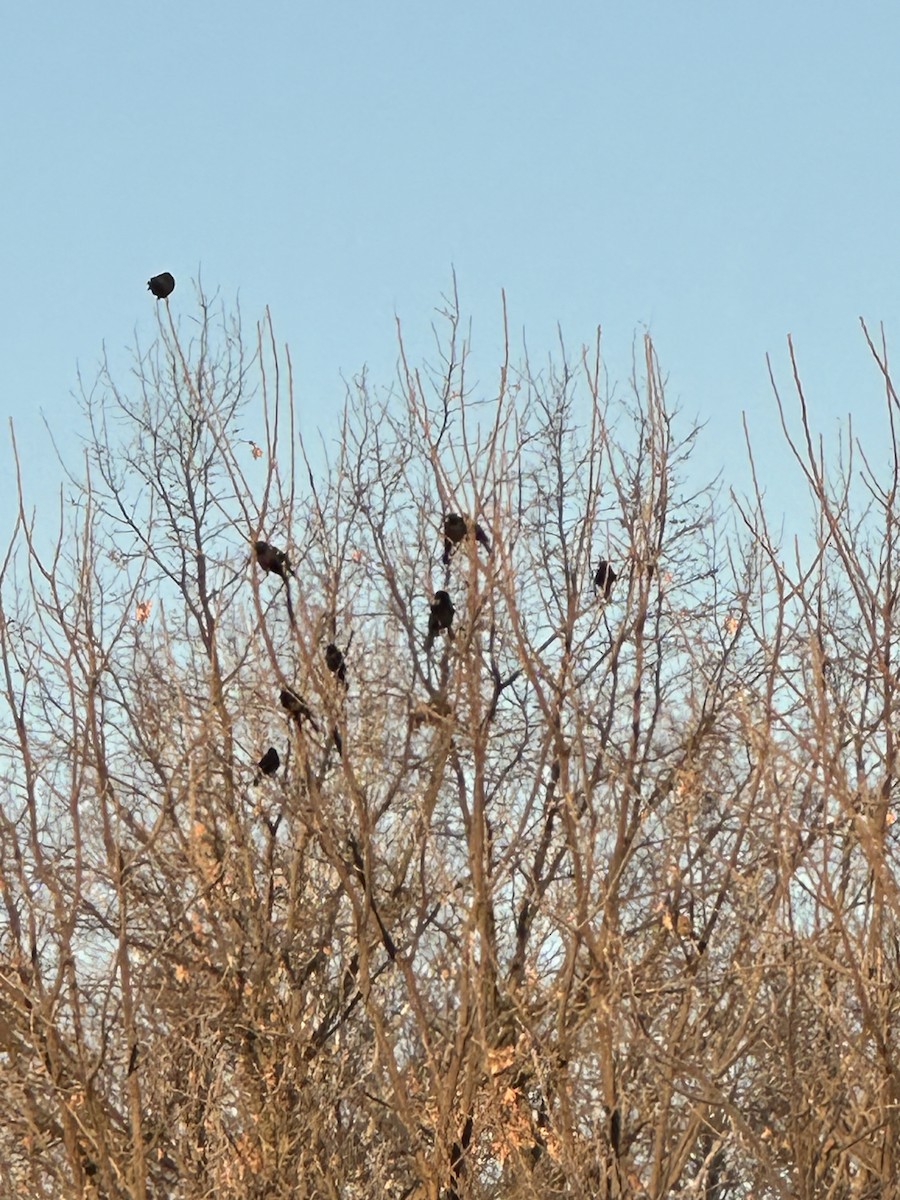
(596,897)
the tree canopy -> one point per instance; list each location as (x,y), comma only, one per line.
(587,889)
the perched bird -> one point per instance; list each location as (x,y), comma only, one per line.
(297,708)
(433,711)
(269,763)
(455,529)
(482,537)
(442,613)
(273,560)
(615,1130)
(604,578)
(334,661)
(162,285)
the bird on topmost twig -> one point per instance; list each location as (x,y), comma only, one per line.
(162,286)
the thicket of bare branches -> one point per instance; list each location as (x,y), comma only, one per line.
(596,898)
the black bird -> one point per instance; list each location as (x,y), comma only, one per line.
(615,1130)
(455,529)
(604,578)
(298,708)
(334,661)
(273,560)
(269,763)
(162,285)
(442,613)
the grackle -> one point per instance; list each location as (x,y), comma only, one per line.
(275,561)
(442,613)
(455,529)
(334,661)
(162,286)
(297,708)
(272,559)
(269,763)
(604,578)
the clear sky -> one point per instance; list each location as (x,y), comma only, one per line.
(719,173)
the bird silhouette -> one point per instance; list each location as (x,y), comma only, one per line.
(162,285)
(273,560)
(442,613)
(455,529)
(269,763)
(604,578)
(334,661)
(297,707)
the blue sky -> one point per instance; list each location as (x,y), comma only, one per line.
(721,174)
